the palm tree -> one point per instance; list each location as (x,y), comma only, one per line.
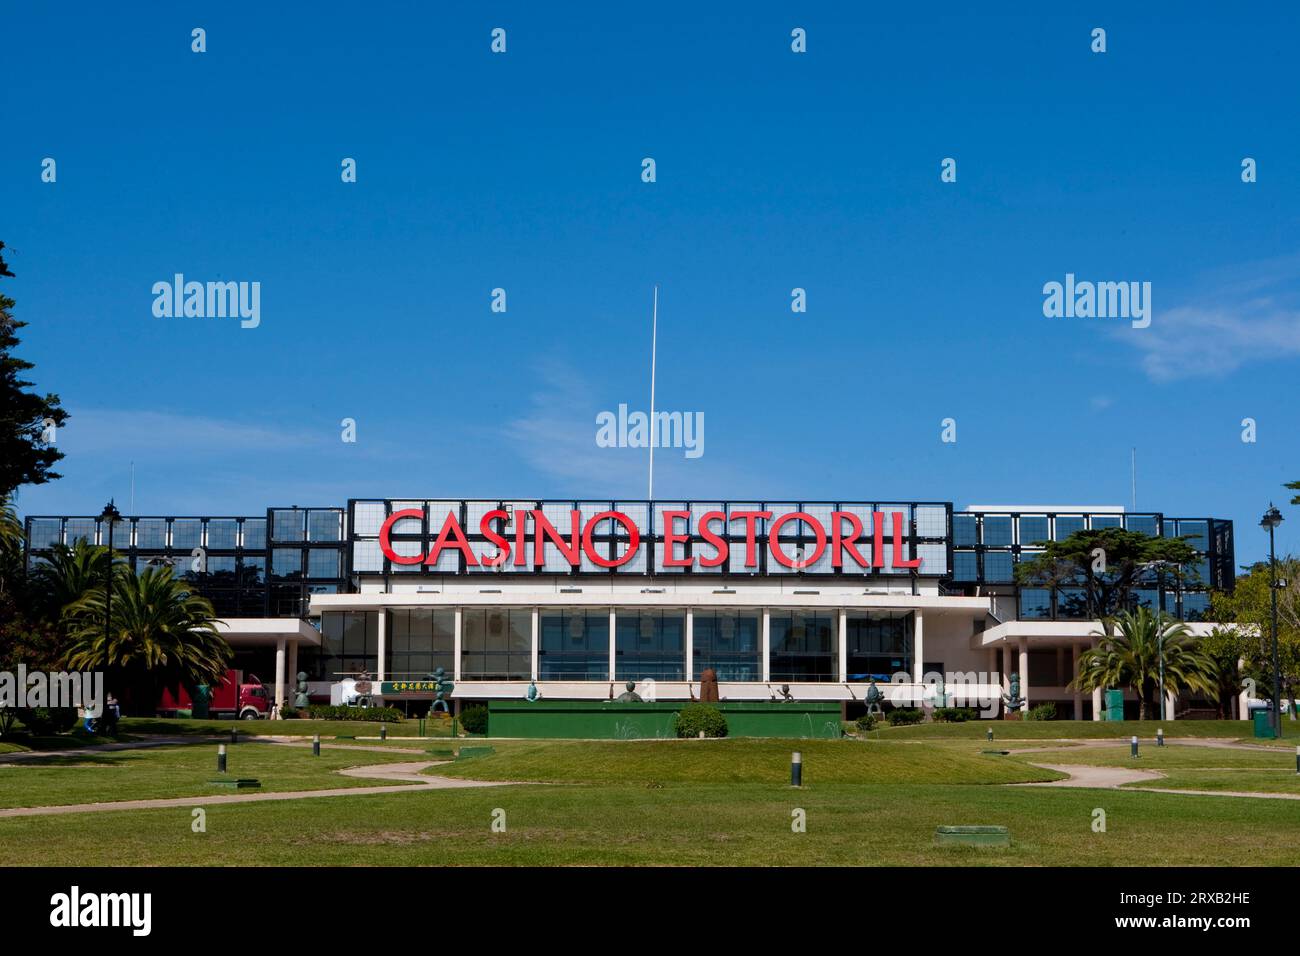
(160,635)
(70,573)
(11,544)
(1128,655)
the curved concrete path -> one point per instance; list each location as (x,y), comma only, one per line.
(409,773)
(1083,775)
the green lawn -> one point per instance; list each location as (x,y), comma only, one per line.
(180,771)
(288,728)
(1250,780)
(697,824)
(1077,729)
(1172,756)
(742,761)
(688,803)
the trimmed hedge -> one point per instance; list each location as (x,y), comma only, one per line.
(474,720)
(46,721)
(904,715)
(954,715)
(693,718)
(1042,712)
(867,722)
(373,714)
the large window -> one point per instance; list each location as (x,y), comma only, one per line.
(420,640)
(730,642)
(878,647)
(803,646)
(574,644)
(496,644)
(349,644)
(650,644)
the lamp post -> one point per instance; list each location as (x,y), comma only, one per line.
(1272,518)
(110,514)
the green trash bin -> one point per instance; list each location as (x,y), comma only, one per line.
(1263,724)
(1114,705)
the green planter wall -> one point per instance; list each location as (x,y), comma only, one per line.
(610,720)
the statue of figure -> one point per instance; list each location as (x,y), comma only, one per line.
(1013,700)
(874,697)
(629,696)
(709,685)
(300,699)
(442,689)
(785,693)
(532,693)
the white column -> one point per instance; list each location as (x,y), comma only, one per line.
(690,645)
(279,675)
(537,641)
(918,648)
(1096,697)
(455,647)
(1171,700)
(1006,667)
(613,643)
(1243,699)
(1024,674)
(767,645)
(382,663)
(844,646)
(293,663)
(1074,672)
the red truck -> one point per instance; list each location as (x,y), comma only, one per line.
(233,697)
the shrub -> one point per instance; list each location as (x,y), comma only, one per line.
(693,718)
(867,722)
(1042,712)
(904,715)
(953,715)
(329,712)
(474,719)
(44,721)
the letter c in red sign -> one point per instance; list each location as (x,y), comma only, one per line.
(386,544)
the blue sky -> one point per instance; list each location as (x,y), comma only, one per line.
(774,171)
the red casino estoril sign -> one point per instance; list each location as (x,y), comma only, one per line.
(847,544)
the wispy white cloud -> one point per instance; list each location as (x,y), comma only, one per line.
(1247,315)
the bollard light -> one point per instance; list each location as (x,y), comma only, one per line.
(383,731)
(989,735)
(315,746)
(796,769)
(1160,736)
(221,758)
(1133,746)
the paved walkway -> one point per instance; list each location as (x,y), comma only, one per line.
(1082,775)
(409,773)
(392,771)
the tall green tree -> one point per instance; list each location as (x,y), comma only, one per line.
(1129,654)
(159,634)
(1248,608)
(1108,564)
(25,457)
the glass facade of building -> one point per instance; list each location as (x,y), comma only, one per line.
(271,565)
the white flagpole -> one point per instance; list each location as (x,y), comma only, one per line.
(654,338)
